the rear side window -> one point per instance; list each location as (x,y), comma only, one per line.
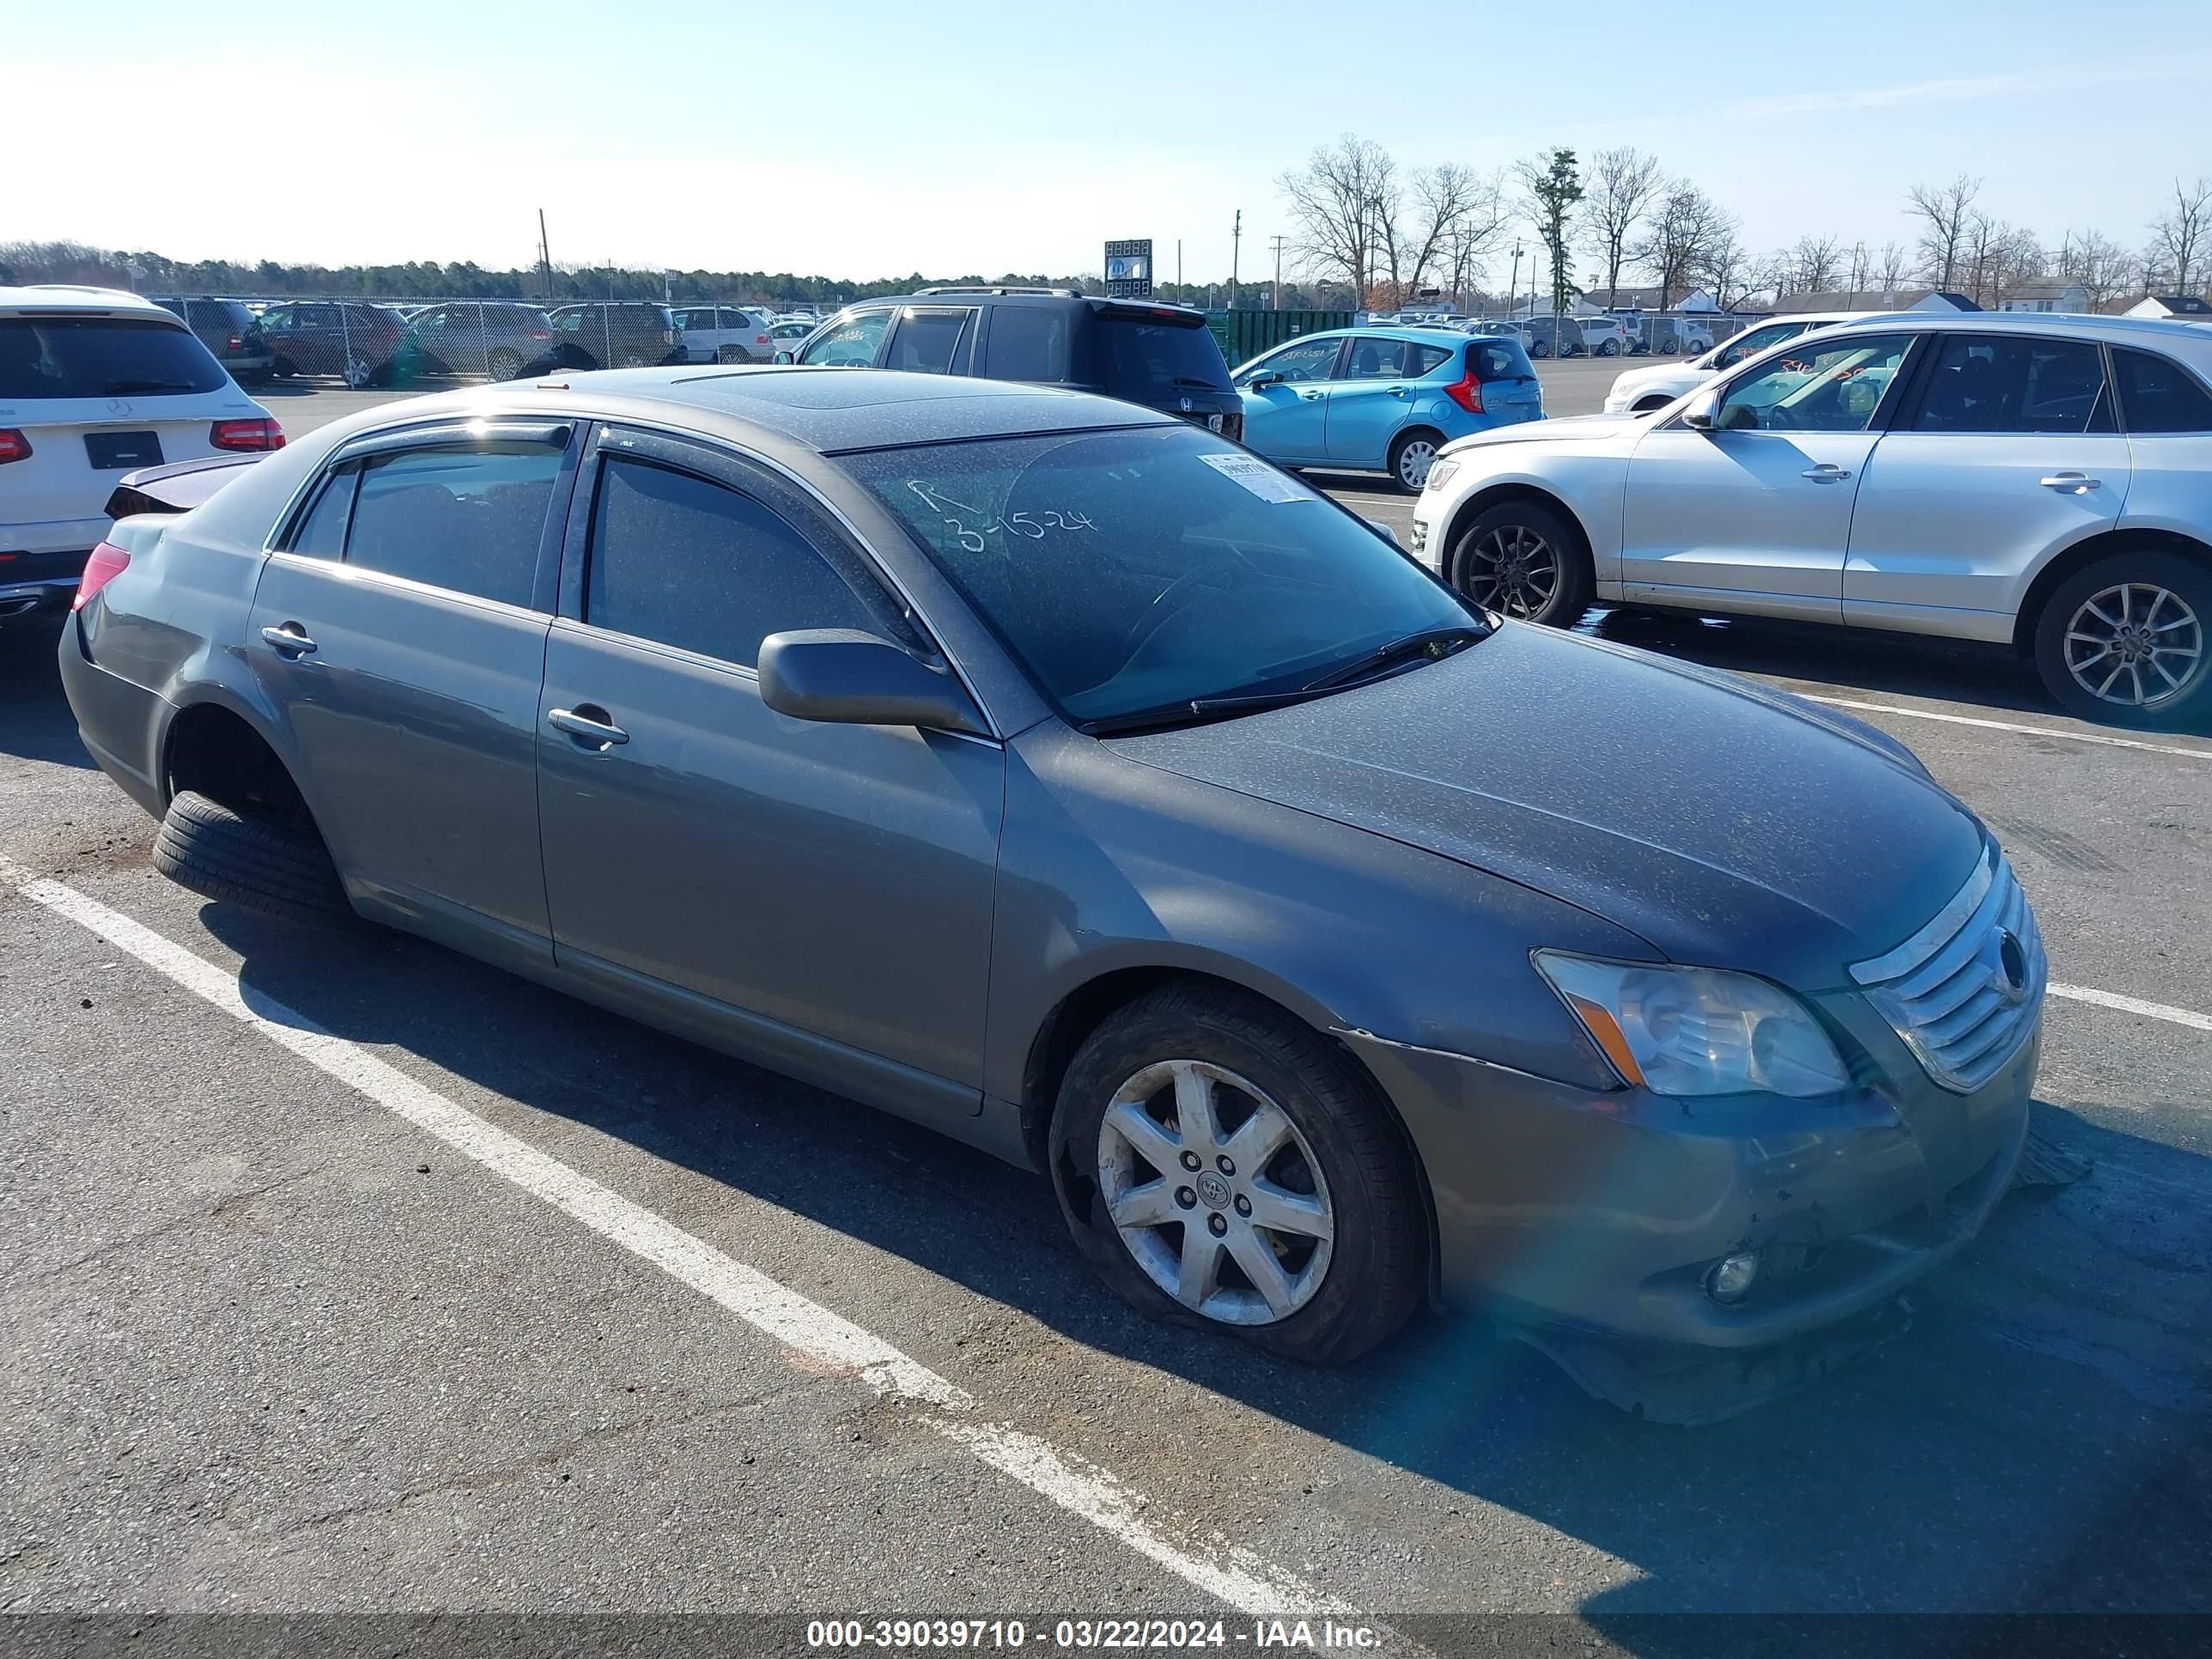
(2023,384)
(932,341)
(468,519)
(101,357)
(1499,360)
(2158,395)
(321,534)
(1028,343)
(1427,358)
(1148,360)
(1375,360)
(685,561)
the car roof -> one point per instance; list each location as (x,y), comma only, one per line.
(1414,331)
(827,410)
(77,297)
(2145,330)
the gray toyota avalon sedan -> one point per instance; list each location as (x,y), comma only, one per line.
(1064,777)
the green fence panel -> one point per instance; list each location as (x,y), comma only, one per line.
(1245,334)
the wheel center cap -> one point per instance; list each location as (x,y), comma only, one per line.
(1213,1191)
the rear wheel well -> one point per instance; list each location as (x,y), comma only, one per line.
(2047,579)
(1083,1010)
(1483,499)
(213,753)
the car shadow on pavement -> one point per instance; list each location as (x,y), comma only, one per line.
(35,722)
(2038,1441)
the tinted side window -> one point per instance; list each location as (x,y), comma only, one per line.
(2025,384)
(2158,395)
(851,343)
(468,520)
(321,534)
(693,564)
(1028,343)
(931,342)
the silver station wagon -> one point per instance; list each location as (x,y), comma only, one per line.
(1060,775)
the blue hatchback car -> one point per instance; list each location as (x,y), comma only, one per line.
(1382,400)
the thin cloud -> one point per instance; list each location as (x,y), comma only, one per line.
(1960,89)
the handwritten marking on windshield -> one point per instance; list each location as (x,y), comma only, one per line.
(1035,526)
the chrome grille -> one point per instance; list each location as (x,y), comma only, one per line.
(1966,991)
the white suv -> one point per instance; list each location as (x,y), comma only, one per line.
(94,383)
(723,334)
(1642,390)
(1606,337)
(2030,480)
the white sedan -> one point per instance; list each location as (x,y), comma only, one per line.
(1639,390)
(94,383)
(2030,480)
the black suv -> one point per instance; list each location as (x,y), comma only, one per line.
(226,328)
(616,334)
(1162,356)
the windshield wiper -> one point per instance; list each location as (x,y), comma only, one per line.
(1207,386)
(1427,645)
(116,388)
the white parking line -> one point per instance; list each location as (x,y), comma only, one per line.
(1237,1577)
(2007,726)
(2187,1017)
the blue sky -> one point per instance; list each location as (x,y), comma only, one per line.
(880,139)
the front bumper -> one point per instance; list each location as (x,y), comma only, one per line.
(1599,1213)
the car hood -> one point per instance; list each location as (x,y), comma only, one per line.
(1636,380)
(1728,825)
(1567,426)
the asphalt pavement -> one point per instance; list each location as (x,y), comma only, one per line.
(342,1273)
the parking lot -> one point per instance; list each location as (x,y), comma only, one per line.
(346,1273)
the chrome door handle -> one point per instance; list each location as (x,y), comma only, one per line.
(1397,392)
(1826,472)
(291,641)
(1310,397)
(2073,482)
(601,731)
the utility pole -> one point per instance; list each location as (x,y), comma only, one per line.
(1513,288)
(1235,242)
(544,254)
(1178,264)
(1279,240)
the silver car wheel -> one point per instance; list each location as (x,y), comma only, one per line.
(2135,644)
(1215,1193)
(1413,462)
(1513,571)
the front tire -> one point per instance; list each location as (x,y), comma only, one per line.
(2124,642)
(1412,453)
(1219,1164)
(1523,560)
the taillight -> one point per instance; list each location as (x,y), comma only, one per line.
(246,435)
(760,339)
(238,343)
(14,445)
(106,562)
(541,333)
(668,336)
(1466,394)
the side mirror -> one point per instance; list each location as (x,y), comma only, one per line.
(785,357)
(841,677)
(1265,377)
(1699,415)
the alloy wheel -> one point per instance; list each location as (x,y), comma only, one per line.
(1215,1192)
(2135,644)
(1514,571)
(1414,458)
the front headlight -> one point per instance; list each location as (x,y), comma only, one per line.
(1440,474)
(1697,1030)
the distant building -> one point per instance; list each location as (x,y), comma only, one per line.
(2070,297)
(1696,302)
(2190,307)
(1894,299)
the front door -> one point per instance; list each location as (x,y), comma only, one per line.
(398,634)
(2010,452)
(1287,419)
(1754,514)
(819,893)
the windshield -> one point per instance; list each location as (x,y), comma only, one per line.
(101,357)
(1146,361)
(1144,568)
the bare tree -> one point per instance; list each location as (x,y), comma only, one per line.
(1552,188)
(1476,234)
(2179,235)
(1623,186)
(1813,264)
(1724,267)
(1457,214)
(2104,268)
(1890,267)
(1943,211)
(1860,267)
(1979,243)
(1343,208)
(1678,238)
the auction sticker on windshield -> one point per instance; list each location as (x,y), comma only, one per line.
(1261,479)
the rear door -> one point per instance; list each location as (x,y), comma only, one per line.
(1755,514)
(398,632)
(90,398)
(1370,401)
(2009,453)
(821,892)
